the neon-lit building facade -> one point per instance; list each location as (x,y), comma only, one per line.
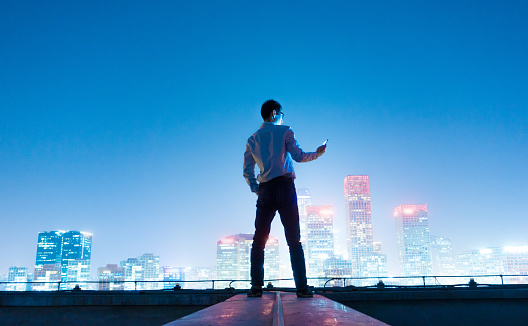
(358,221)
(319,240)
(233,259)
(413,240)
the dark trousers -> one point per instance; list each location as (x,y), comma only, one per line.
(277,195)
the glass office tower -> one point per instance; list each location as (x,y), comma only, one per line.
(413,240)
(358,221)
(319,240)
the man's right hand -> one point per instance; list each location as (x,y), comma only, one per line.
(321,150)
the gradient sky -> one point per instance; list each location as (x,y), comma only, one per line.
(129,120)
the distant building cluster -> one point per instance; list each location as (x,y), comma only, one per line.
(233,259)
(63,258)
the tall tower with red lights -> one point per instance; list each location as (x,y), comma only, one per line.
(413,239)
(358,221)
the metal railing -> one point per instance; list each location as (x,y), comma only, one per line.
(433,281)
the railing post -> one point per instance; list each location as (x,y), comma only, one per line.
(423,280)
(213,283)
(502,280)
(135,285)
(58,286)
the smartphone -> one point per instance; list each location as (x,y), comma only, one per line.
(326,141)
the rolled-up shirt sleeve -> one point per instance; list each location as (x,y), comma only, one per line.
(297,154)
(249,169)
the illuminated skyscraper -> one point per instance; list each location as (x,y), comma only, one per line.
(413,239)
(233,259)
(358,221)
(64,248)
(76,257)
(319,240)
(49,248)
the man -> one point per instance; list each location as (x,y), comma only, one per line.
(272,148)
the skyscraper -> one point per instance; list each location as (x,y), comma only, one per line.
(358,221)
(233,259)
(76,257)
(413,240)
(319,239)
(63,248)
(49,248)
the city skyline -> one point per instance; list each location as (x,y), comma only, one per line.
(415,245)
(420,254)
(357,187)
(129,121)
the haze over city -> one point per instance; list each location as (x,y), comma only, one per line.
(129,120)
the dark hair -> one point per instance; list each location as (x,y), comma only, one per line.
(268,107)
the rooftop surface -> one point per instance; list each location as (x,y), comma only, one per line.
(277,309)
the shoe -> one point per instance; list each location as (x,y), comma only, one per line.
(305,292)
(255,292)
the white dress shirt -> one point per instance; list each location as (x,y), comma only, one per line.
(272,148)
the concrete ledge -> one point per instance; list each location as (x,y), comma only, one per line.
(439,307)
(113,298)
(427,294)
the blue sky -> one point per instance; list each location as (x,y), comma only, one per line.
(129,120)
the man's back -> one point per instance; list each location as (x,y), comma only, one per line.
(272,148)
